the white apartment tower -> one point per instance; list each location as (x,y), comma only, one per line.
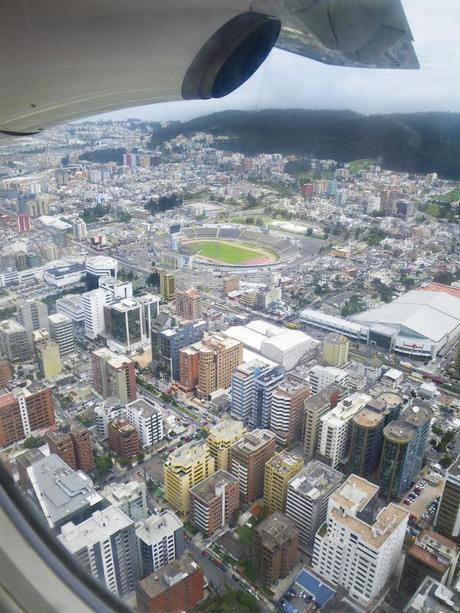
(322,376)
(354,548)
(160,541)
(334,441)
(93,307)
(61,330)
(147,418)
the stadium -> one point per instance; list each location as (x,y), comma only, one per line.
(235,247)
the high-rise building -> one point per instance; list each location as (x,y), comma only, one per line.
(334,441)
(23,461)
(279,470)
(448,514)
(62,494)
(287,410)
(335,349)
(15,341)
(214,502)
(23,412)
(188,304)
(81,439)
(105,412)
(128,322)
(160,539)
(274,550)
(248,457)
(48,356)
(264,386)
(404,443)
(167,342)
(33,315)
(433,596)
(314,408)
(231,284)
(6,373)
(431,554)
(116,288)
(61,331)
(130,497)
(307,496)
(355,549)
(323,376)
(72,306)
(175,588)
(93,309)
(99,266)
(219,357)
(220,439)
(367,432)
(147,417)
(167,285)
(80,231)
(105,547)
(189,368)
(61,444)
(457,360)
(113,375)
(183,469)
(243,389)
(123,439)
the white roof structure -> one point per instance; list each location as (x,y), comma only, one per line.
(278,344)
(431,315)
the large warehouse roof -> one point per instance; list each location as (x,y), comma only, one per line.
(432,315)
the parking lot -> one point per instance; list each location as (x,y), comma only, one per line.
(427,495)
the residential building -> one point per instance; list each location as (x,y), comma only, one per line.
(220,439)
(72,306)
(334,441)
(264,386)
(314,408)
(307,497)
(105,546)
(219,357)
(448,514)
(167,285)
(15,341)
(243,389)
(184,468)
(214,502)
(279,470)
(48,356)
(248,457)
(189,368)
(433,596)
(404,443)
(80,231)
(147,418)
(335,349)
(61,444)
(33,315)
(353,548)
(130,497)
(188,304)
(105,412)
(231,284)
(81,439)
(61,331)
(113,375)
(61,493)
(93,309)
(175,588)
(116,288)
(160,540)
(287,410)
(323,376)
(430,555)
(23,461)
(167,342)
(274,549)
(123,439)
(6,373)
(99,266)
(23,412)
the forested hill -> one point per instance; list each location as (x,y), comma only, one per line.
(416,142)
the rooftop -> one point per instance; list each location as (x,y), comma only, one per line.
(284,461)
(10,326)
(432,596)
(367,418)
(158,526)
(144,407)
(165,577)
(253,441)
(208,488)
(276,530)
(227,429)
(354,494)
(316,480)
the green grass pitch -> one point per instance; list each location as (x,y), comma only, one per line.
(228,252)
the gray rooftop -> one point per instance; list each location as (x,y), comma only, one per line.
(316,480)
(157,527)
(61,492)
(206,489)
(432,596)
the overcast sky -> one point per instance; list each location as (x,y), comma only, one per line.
(289,81)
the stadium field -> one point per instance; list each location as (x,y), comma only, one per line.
(230,252)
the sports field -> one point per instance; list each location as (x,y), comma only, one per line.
(231,252)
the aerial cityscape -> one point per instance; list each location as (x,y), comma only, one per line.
(230,379)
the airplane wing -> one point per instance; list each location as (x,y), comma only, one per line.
(67,59)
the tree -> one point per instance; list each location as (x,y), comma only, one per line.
(103,463)
(33,441)
(353,305)
(309,231)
